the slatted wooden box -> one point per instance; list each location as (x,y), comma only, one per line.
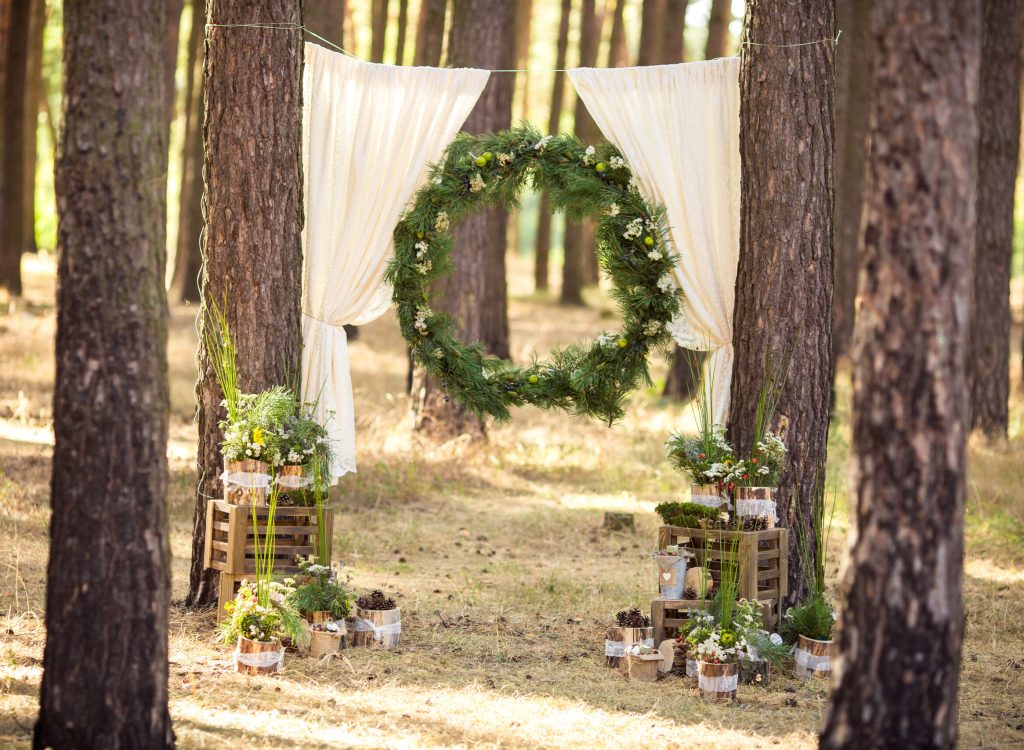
(231,544)
(668,615)
(763,558)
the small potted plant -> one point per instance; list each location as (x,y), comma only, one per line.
(304,443)
(258,617)
(318,594)
(810,624)
(252,443)
(718,658)
(631,627)
(378,621)
(755,487)
(708,459)
(642,662)
(671,563)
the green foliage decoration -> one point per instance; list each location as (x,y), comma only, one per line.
(583,181)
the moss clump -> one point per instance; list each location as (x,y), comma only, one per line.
(689,515)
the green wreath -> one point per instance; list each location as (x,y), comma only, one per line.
(584,379)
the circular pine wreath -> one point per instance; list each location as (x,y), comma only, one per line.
(591,379)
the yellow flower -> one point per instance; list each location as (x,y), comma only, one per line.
(257,436)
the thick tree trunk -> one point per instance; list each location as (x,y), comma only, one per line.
(684,374)
(542,251)
(474,294)
(12,188)
(652,21)
(580,257)
(430,32)
(188,256)
(524,15)
(108,582)
(403,23)
(988,361)
(34,93)
(378,30)
(784,279)
(253,207)
(896,682)
(171,37)
(325,18)
(672,48)
(853,63)
(718,29)
(618,52)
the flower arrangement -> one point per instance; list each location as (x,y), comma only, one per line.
(303,439)
(250,618)
(721,646)
(317,589)
(706,457)
(255,432)
(763,467)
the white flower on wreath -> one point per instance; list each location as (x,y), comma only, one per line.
(505,159)
(421,248)
(634,229)
(438,354)
(607,340)
(539,145)
(655,254)
(441,222)
(476,183)
(420,322)
(613,210)
(653,328)
(666,283)
(589,155)
(422,268)
(616,162)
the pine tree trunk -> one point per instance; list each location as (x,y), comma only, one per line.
(403,22)
(524,14)
(902,612)
(171,37)
(618,52)
(580,257)
(652,21)
(378,30)
(474,294)
(34,93)
(253,207)
(188,256)
(784,279)
(542,251)
(12,188)
(325,18)
(853,64)
(108,582)
(718,29)
(988,361)
(672,47)
(430,32)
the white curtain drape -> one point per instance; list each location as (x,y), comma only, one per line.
(369,132)
(678,127)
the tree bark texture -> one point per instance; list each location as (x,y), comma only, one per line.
(326,18)
(542,251)
(474,294)
(988,361)
(253,205)
(579,266)
(108,582)
(378,29)
(717,44)
(34,94)
(853,62)
(430,32)
(652,21)
(12,187)
(524,15)
(188,257)
(895,684)
(784,279)
(403,23)
(171,37)
(618,52)
(672,48)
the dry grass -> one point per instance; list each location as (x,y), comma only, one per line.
(504,575)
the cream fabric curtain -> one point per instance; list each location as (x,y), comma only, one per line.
(369,132)
(678,127)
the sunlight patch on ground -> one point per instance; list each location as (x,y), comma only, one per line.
(622,502)
(987,570)
(22,433)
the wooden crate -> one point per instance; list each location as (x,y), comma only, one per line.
(763,558)
(668,615)
(231,544)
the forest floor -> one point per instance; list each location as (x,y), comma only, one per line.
(496,553)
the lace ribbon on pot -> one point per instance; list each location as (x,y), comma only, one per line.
(621,648)
(757,508)
(247,479)
(293,481)
(692,670)
(809,661)
(724,684)
(261,659)
(365,626)
(710,501)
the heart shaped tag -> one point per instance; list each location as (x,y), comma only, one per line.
(666,576)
